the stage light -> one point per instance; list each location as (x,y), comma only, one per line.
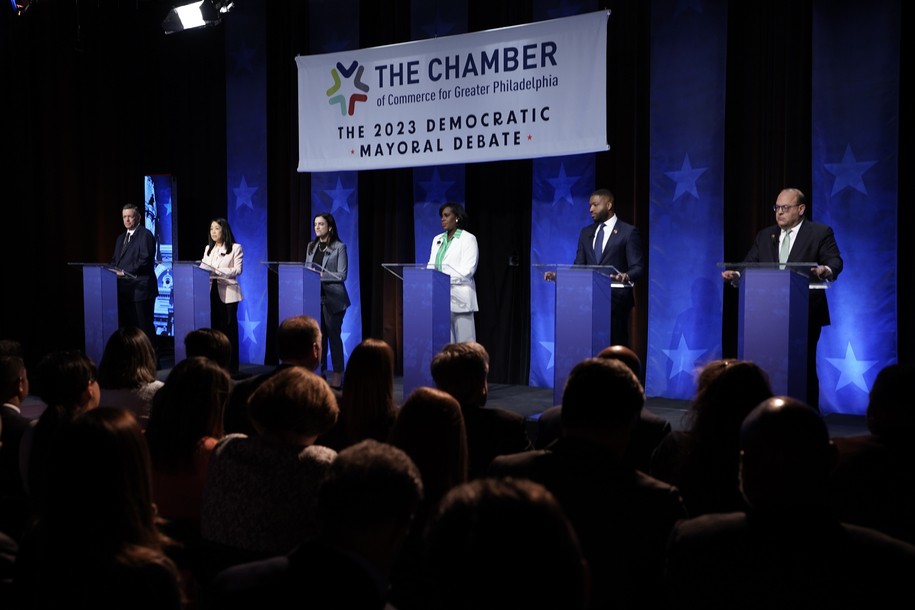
(21,6)
(195,15)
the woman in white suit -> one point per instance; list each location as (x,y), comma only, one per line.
(455,252)
(223,257)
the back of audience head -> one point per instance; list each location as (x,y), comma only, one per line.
(430,429)
(624,355)
(367,401)
(210,343)
(293,405)
(67,380)
(369,487)
(890,412)
(128,361)
(490,537)
(726,392)
(11,347)
(461,369)
(298,341)
(14,380)
(786,456)
(187,408)
(601,397)
(99,488)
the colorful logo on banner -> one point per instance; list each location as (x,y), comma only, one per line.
(513,93)
(348,102)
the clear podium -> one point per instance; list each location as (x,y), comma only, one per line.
(191,293)
(772,318)
(100,306)
(582,315)
(299,288)
(426,320)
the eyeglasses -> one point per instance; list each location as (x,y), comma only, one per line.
(783,208)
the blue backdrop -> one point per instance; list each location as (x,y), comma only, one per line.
(855,190)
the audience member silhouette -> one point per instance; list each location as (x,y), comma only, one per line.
(184,426)
(462,370)
(127,372)
(702,460)
(260,493)
(430,429)
(210,343)
(873,483)
(367,407)
(298,343)
(15,507)
(648,432)
(67,382)
(503,543)
(622,516)
(786,550)
(365,507)
(95,544)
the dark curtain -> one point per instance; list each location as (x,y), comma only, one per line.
(94,96)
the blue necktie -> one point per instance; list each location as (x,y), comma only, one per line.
(599,243)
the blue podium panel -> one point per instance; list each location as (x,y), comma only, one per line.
(426,323)
(191,290)
(582,321)
(100,308)
(772,327)
(298,291)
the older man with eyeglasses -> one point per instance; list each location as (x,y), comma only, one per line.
(795,239)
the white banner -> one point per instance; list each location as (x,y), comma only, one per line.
(535,90)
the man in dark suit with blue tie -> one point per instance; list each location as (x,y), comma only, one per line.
(794,239)
(610,241)
(135,259)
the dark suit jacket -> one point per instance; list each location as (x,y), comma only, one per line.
(333,290)
(15,505)
(492,431)
(799,561)
(140,260)
(648,433)
(623,251)
(314,575)
(622,516)
(814,243)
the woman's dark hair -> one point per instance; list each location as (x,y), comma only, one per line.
(458,210)
(99,494)
(61,377)
(228,239)
(332,233)
(129,360)
(187,408)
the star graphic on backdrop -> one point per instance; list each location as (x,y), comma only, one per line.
(686,178)
(243,194)
(436,188)
(684,359)
(339,197)
(562,185)
(849,172)
(852,370)
(548,346)
(249,325)
(168,208)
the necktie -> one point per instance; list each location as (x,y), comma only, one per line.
(124,245)
(785,247)
(599,243)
